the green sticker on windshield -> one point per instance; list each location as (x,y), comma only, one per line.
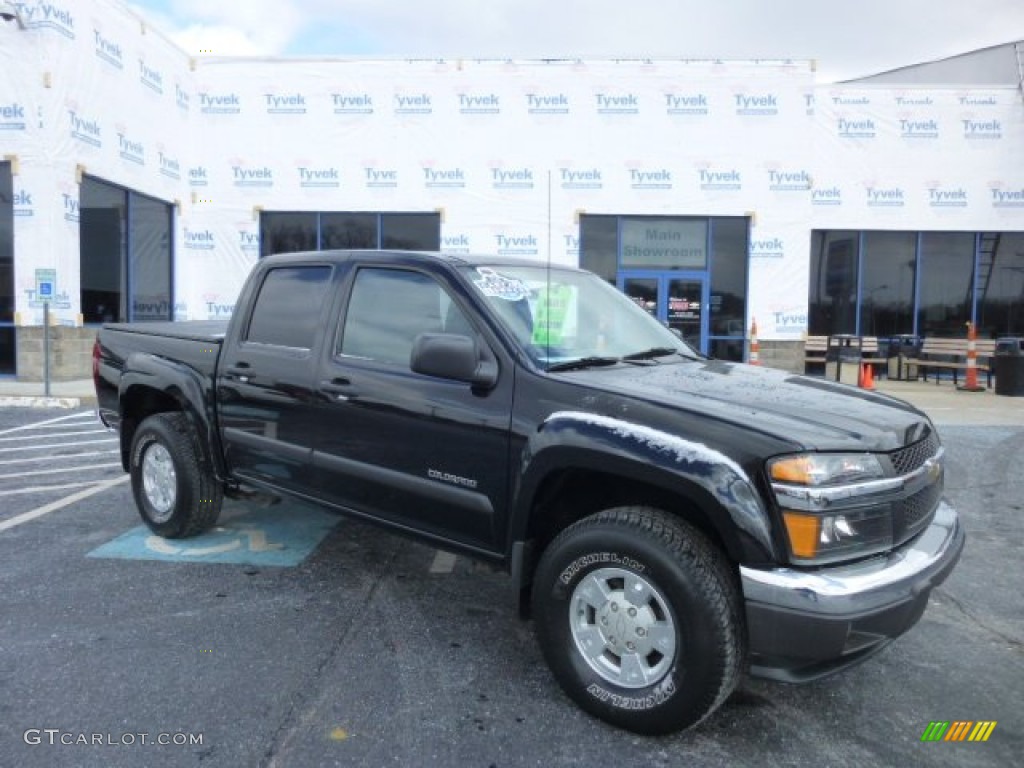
(550,315)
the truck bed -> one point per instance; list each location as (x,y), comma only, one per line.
(191,348)
(209,331)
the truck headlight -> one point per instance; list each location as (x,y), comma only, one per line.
(820,469)
(827,508)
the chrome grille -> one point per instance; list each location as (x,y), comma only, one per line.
(906,460)
(913,514)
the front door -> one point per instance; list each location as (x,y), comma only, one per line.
(678,299)
(420,452)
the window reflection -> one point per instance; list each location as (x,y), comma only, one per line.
(348,230)
(1001,284)
(108,255)
(887,275)
(833,297)
(410,231)
(599,245)
(729,258)
(150,259)
(947,271)
(291,232)
(102,214)
(938,266)
(287,233)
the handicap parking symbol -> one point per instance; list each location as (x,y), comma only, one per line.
(282,535)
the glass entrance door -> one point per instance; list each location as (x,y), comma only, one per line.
(678,299)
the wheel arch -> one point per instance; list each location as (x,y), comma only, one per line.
(152,385)
(569,483)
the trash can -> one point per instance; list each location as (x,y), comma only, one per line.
(1008,366)
(902,347)
(842,359)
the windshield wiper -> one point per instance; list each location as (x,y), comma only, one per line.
(582,362)
(651,353)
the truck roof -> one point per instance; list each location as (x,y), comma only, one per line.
(408,257)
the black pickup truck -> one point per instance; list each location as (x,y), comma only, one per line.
(669,521)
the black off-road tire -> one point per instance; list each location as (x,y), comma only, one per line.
(694,609)
(172,481)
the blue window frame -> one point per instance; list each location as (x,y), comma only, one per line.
(891,282)
(126,254)
(664,262)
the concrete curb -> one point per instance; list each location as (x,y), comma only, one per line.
(40,402)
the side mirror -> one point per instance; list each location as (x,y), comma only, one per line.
(449,356)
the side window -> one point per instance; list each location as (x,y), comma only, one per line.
(389,308)
(287,309)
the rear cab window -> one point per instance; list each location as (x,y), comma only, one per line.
(288,307)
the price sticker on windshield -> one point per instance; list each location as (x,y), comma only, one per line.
(550,315)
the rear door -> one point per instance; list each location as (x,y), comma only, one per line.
(420,452)
(265,380)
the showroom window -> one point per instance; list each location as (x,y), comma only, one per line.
(887,278)
(887,283)
(599,245)
(7,348)
(125,254)
(678,265)
(833,299)
(946,283)
(1000,284)
(730,245)
(292,232)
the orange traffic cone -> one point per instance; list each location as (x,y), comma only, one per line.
(755,348)
(867,376)
(971,385)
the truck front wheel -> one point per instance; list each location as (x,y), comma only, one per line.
(640,620)
(174,488)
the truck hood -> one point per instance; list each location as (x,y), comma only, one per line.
(813,413)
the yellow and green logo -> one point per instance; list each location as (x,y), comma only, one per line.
(958,730)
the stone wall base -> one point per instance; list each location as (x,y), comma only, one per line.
(70,352)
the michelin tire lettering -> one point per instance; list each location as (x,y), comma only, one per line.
(665,690)
(595,558)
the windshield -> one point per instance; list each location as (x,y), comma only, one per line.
(562,316)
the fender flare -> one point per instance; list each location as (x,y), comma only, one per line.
(669,462)
(188,387)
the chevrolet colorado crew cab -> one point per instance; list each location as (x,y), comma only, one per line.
(670,522)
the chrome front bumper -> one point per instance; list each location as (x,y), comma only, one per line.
(803,624)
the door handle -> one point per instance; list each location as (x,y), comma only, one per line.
(339,386)
(240,370)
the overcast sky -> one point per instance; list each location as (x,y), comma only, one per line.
(848,39)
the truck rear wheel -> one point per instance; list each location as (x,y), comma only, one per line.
(639,618)
(174,487)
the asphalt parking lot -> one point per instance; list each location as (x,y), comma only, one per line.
(326,642)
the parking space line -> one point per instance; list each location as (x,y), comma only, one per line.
(23,427)
(46,488)
(50,435)
(92,417)
(63,469)
(53,506)
(93,420)
(58,457)
(57,445)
